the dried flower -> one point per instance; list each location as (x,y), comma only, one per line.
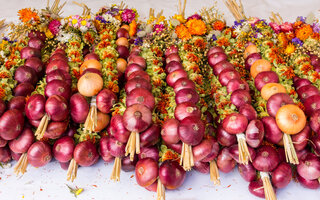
(196,27)
(54,26)
(304,32)
(128,15)
(219,25)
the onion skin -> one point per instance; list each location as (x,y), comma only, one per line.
(214,150)
(217,57)
(276,101)
(215,49)
(185,110)
(36,64)
(235,123)
(57,64)
(316,144)
(187,95)
(202,150)
(191,130)
(240,98)
(116,148)
(39,154)
(35,107)
(123,51)
(63,149)
(173,57)
(309,167)
(140,96)
(85,154)
(170,50)
(104,151)
(237,84)
(265,77)
(254,133)
(55,75)
(300,140)
(79,108)
(169,132)
(171,174)
(234,152)
(91,70)
(282,175)
(247,172)
(35,43)
(11,124)
(132,68)
(310,184)
(149,152)
(315,121)
(25,74)
(225,162)
(22,143)
(173,66)
(122,33)
(15,156)
(228,74)
(28,52)
(219,67)
(301,82)
(312,104)
(102,121)
(18,103)
(248,111)
(55,130)
(266,159)
(307,91)
(224,138)
(138,60)
(202,167)
(150,136)
(137,83)
(127,165)
(58,87)
(3,142)
(137,118)
(256,188)
(139,74)
(173,77)
(90,84)
(57,108)
(91,56)
(23,89)
(119,131)
(5,155)
(146,172)
(105,100)
(272,132)
(251,59)
(175,147)
(58,56)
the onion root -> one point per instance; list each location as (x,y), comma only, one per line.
(186,159)
(161,195)
(133,145)
(115,174)
(244,154)
(214,173)
(92,118)
(21,166)
(268,189)
(42,127)
(72,170)
(291,155)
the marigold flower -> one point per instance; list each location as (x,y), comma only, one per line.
(304,32)
(219,25)
(183,32)
(290,49)
(196,27)
(26,15)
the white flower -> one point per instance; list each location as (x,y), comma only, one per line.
(2,53)
(141,33)
(64,37)
(83,29)
(148,28)
(175,22)
(216,32)
(174,35)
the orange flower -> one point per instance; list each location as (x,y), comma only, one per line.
(4,75)
(301,106)
(183,32)
(89,37)
(223,42)
(76,73)
(290,36)
(192,57)
(75,44)
(187,47)
(155,62)
(2,93)
(297,24)
(132,28)
(306,67)
(26,15)
(219,25)
(157,82)
(103,44)
(196,27)
(316,76)
(304,32)
(282,39)
(200,43)
(170,155)
(113,87)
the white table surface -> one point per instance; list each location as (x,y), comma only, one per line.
(50,182)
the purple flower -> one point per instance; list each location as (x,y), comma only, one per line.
(158,28)
(54,26)
(238,23)
(128,15)
(101,19)
(301,18)
(138,41)
(297,41)
(316,27)
(195,16)
(214,37)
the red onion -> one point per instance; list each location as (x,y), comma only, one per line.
(28,52)
(55,130)
(57,108)
(266,159)
(127,165)
(171,174)
(315,120)
(173,57)
(22,143)
(309,167)
(214,150)
(256,188)
(228,74)
(240,98)
(35,107)
(272,132)
(265,77)
(300,140)
(104,151)
(175,147)
(176,75)
(39,154)
(301,82)
(105,100)
(35,123)
(5,155)
(191,130)
(215,49)
(235,123)
(202,150)
(202,167)
(15,156)
(137,83)
(146,172)
(137,118)
(116,148)
(17,103)
(57,87)
(63,149)
(169,132)
(234,152)
(122,33)
(312,104)
(149,152)
(255,133)
(123,51)
(187,95)
(248,111)
(316,144)
(11,124)
(37,34)
(215,58)
(307,91)
(138,60)
(170,50)
(58,56)
(140,96)
(132,68)
(237,84)
(173,66)
(276,101)
(71,131)
(91,56)
(247,172)
(209,117)
(251,59)
(25,74)
(79,108)
(225,162)
(35,43)
(85,153)
(91,70)
(57,64)
(3,142)
(224,138)
(282,175)
(183,83)
(139,74)
(57,74)
(119,131)
(23,89)
(36,64)
(150,136)
(219,67)
(315,61)
(310,184)
(186,109)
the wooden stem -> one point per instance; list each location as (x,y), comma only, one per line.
(91,121)
(186,159)
(214,173)
(244,154)
(290,151)
(161,195)
(268,189)
(21,166)
(133,145)
(42,127)
(115,174)
(72,170)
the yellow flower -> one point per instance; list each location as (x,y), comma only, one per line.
(83,22)
(180,18)
(196,27)
(48,34)
(183,32)
(290,49)
(74,21)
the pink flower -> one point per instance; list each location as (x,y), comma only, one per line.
(253,20)
(195,16)
(54,27)
(275,27)
(286,27)
(128,15)
(158,28)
